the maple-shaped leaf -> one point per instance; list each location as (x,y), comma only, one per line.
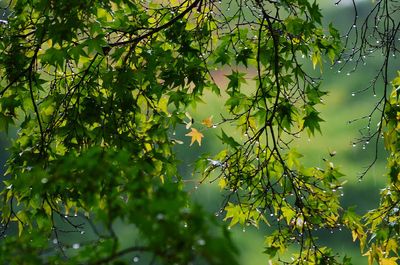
(207,122)
(196,136)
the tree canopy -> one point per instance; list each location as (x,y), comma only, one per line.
(97,89)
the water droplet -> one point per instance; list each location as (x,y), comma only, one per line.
(353,94)
(76,245)
(44,180)
(354,145)
(55,241)
(185,225)
(160,216)
(82,232)
(201,242)
(136,259)
(244,230)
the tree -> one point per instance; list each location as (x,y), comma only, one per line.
(96,89)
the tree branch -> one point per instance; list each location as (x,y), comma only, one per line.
(155,30)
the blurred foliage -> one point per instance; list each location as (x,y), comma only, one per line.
(98,89)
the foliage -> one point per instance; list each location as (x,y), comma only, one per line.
(97,89)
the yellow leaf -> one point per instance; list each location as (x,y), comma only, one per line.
(252,123)
(370,257)
(391,245)
(222,183)
(196,136)
(20,228)
(163,105)
(316,59)
(388,261)
(296,40)
(208,122)
(355,235)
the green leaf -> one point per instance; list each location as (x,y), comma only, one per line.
(244,55)
(54,57)
(5,121)
(292,158)
(235,81)
(312,120)
(229,140)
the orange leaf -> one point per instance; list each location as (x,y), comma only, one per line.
(196,136)
(208,122)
